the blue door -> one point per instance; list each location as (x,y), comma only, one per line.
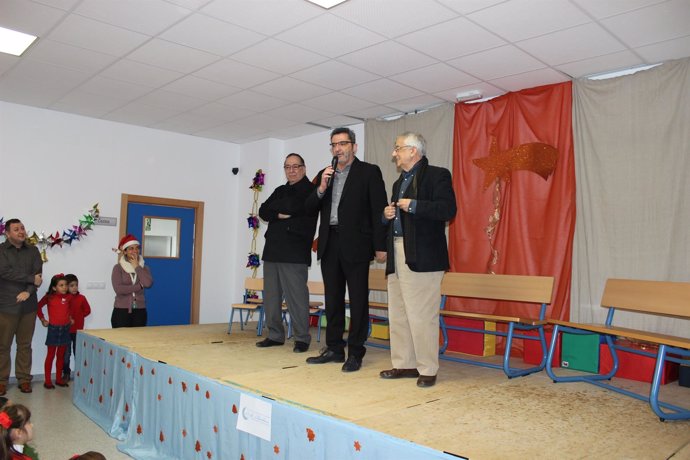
(169,300)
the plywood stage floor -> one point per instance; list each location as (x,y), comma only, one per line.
(472,411)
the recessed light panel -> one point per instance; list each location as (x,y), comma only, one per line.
(327,3)
(13,42)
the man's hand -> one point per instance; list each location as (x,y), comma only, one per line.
(327,173)
(38,279)
(404,204)
(389,211)
(22,296)
(381,256)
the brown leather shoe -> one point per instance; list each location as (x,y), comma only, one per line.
(425,381)
(399,373)
(3,389)
(25,387)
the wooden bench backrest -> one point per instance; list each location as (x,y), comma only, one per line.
(519,288)
(254,284)
(657,297)
(377,280)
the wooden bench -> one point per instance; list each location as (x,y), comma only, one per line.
(515,288)
(251,305)
(377,283)
(664,298)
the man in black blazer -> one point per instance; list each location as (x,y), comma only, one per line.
(287,256)
(350,199)
(421,203)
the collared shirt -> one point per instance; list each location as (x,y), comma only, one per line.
(17,269)
(408,176)
(338,184)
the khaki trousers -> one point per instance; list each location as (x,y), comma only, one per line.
(22,327)
(414,300)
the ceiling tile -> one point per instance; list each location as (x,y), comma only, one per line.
(173,101)
(172,56)
(382,91)
(497,62)
(434,78)
(267,17)
(451,39)
(219,37)
(600,64)
(416,103)
(600,9)
(335,36)
(574,44)
(535,78)
(148,17)
(376,111)
(88,104)
(387,58)
(334,75)
(220,112)
(277,56)
(72,57)
(292,132)
(138,114)
(235,73)
(337,102)
(48,74)
(190,4)
(229,132)
(29,17)
(115,88)
(7,61)
(406,17)
(670,49)
(469,6)
(264,122)
(201,88)
(65,5)
(656,23)
(298,113)
(338,120)
(290,89)
(137,72)
(97,36)
(188,123)
(253,100)
(516,20)
(30,92)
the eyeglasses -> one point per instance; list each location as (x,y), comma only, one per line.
(292,167)
(398,148)
(341,144)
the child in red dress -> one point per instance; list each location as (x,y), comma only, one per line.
(58,324)
(80,310)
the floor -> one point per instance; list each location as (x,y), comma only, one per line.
(474,412)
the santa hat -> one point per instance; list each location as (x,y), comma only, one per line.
(127,241)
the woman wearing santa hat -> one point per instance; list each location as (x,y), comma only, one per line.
(130,277)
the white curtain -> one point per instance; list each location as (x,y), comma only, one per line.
(632,156)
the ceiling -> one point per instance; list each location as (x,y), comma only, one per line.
(243,70)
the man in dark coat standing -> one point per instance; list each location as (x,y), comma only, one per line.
(287,256)
(350,199)
(421,203)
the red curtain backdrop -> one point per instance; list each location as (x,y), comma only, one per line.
(535,232)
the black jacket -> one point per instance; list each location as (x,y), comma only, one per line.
(359,213)
(426,249)
(288,240)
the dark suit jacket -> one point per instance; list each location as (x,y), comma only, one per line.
(288,240)
(426,249)
(360,232)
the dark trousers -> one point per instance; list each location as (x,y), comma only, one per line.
(122,318)
(337,274)
(69,351)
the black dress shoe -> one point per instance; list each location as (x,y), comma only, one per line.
(268,343)
(352,364)
(399,373)
(327,356)
(425,381)
(300,347)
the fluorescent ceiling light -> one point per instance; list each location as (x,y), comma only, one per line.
(13,42)
(620,73)
(327,3)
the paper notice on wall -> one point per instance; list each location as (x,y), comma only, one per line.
(254,417)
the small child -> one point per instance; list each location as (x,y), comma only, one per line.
(57,339)
(80,310)
(16,430)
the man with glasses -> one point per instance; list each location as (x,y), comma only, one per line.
(421,203)
(350,199)
(287,256)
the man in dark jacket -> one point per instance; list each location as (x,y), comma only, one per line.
(287,256)
(350,199)
(421,203)
(20,277)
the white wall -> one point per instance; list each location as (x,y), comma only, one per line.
(55,166)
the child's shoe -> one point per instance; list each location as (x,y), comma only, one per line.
(62,384)
(66,376)
(48,386)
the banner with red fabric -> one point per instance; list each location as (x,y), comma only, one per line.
(514,177)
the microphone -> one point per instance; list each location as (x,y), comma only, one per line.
(334,163)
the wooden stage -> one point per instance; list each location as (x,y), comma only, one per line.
(472,412)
